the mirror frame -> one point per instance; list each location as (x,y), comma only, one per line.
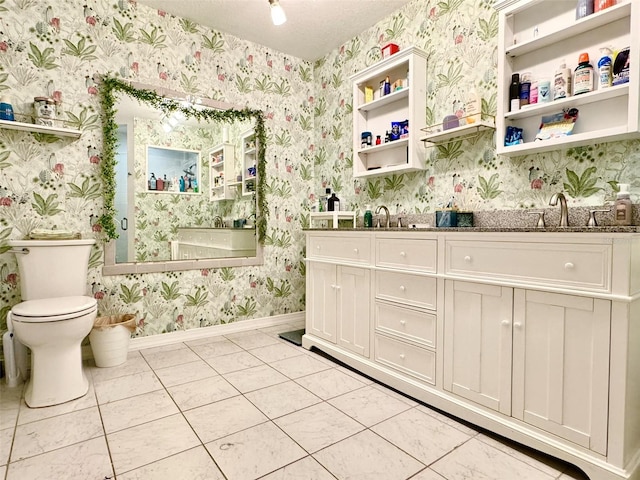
(164,100)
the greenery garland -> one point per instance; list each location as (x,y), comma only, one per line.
(110,85)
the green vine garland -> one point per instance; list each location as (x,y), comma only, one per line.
(111,85)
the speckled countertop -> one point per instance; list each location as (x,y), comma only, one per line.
(506,221)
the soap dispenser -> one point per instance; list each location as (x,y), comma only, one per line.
(368,217)
(623,213)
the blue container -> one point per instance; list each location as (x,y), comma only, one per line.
(6,110)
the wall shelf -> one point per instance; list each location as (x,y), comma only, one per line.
(443,136)
(333,217)
(33,128)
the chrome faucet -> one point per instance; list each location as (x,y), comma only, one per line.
(217,222)
(386,212)
(564,212)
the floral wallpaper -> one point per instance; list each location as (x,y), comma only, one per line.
(56,48)
(460,38)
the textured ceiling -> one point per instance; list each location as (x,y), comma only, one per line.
(313,27)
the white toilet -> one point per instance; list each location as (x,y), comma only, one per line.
(54,317)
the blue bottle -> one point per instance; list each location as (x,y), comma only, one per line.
(182,186)
(6,110)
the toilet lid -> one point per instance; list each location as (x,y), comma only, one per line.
(53,309)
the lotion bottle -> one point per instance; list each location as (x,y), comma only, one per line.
(562,82)
(604,68)
(623,207)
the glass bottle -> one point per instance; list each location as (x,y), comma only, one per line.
(333,203)
(368,217)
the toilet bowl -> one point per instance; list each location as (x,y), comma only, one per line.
(54,317)
(53,328)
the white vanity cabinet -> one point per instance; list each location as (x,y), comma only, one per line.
(532,335)
(536,36)
(338,291)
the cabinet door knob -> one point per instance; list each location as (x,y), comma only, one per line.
(333,286)
(467,258)
(506,323)
(402,254)
(568,266)
(337,287)
(318,247)
(402,288)
(355,250)
(402,356)
(518,325)
(402,322)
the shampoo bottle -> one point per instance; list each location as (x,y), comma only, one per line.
(604,68)
(623,208)
(562,82)
(583,76)
(514,93)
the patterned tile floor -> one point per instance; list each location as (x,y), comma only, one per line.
(246,406)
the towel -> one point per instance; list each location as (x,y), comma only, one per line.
(53,234)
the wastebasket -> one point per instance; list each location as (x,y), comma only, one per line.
(109,339)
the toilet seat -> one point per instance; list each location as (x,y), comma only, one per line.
(53,309)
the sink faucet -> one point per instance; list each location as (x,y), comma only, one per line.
(386,212)
(217,222)
(564,212)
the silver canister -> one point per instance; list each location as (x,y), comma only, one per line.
(44,109)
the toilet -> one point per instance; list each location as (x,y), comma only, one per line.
(54,317)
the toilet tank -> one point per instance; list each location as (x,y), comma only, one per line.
(52,268)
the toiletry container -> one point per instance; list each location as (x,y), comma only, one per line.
(584,8)
(333,203)
(623,213)
(514,93)
(6,109)
(562,82)
(602,4)
(544,90)
(153,182)
(533,93)
(368,217)
(583,76)
(604,68)
(525,89)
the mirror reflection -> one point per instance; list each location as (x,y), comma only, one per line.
(185,187)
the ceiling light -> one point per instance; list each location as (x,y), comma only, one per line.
(278,16)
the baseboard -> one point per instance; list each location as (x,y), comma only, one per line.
(162,339)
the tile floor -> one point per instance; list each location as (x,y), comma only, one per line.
(246,406)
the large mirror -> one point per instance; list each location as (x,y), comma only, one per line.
(182,178)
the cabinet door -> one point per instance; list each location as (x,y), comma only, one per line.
(321,300)
(353,308)
(477,343)
(561,365)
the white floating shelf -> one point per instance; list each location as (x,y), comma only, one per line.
(33,128)
(464,130)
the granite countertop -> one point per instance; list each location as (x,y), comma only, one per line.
(599,229)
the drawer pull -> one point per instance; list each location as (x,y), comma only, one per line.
(318,247)
(402,322)
(402,254)
(402,288)
(467,259)
(568,266)
(402,356)
(355,250)
(506,323)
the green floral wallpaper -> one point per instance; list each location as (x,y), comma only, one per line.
(56,48)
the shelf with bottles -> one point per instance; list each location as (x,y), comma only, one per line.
(389,95)
(221,163)
(58,131)
(333,218)
(537,38)
(467,126)
(248,159)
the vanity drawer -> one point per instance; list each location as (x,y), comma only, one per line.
(407,253)
(351,248)
(415,325)
(406,288)
(407,358)
(580,266)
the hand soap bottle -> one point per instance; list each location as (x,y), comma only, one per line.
(623,213)
(368,217)
(333,203)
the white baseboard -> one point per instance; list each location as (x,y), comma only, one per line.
(139,343)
